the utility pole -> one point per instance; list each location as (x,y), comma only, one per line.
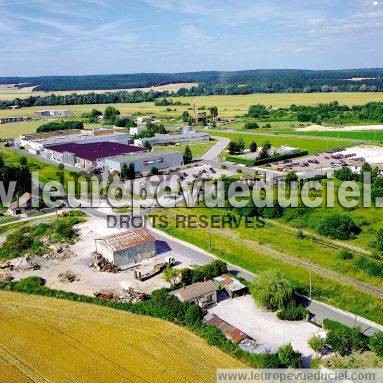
(311,284)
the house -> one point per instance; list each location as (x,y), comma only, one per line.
(21,205)
(128,247)
(203,294)
(13,107)
(231,285)
(199,117)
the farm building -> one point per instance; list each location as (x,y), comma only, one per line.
(128,247)
(232,286)
(203,294)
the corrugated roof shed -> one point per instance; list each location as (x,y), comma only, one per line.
(195,290)
(230,282)
(128,239)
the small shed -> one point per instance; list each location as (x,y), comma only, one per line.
(21,205)
(203,294)
(127,247)
(231,285)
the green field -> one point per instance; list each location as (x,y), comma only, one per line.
(45,339)
(311,144)
(367,135)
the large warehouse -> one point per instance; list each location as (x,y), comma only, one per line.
(88,156)
(127,247)
(143,162)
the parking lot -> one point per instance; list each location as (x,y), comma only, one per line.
(330,160)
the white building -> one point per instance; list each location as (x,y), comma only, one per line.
(166,139)
(53,113)
(144,162)
(128,247)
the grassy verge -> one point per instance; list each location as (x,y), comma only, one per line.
(246,256)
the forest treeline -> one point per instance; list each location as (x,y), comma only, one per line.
(215,82)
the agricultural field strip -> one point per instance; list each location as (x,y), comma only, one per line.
(41,317)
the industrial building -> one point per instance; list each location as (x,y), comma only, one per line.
(143,162)
(166,139)
(128,247)
(53,113)
(87,156)
(8,120)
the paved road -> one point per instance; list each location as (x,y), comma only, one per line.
(198,256)
(216,150)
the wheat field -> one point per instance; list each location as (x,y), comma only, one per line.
(50,340)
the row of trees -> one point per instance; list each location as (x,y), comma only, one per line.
(60,125)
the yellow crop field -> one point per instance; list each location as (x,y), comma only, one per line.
(45,339)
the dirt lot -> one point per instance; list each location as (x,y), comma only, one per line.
(91,280)
(264,326)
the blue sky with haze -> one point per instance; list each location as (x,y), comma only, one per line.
(48,37)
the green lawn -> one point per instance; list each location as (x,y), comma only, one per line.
(197,149)
(311,144)
(47,172)
(367,135)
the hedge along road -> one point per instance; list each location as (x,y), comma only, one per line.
(319,309)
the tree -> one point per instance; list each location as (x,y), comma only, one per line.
(171,275)
(185,116)
(288,357)
(188,156)
(264,153)
(213,112)
(154,171)
(23,161)
(147,145)
(377,188)
(251,125)
(253,147)
(111,113)
(291,177)
(273,291)
(124,172)
(338,226)
(257,111)
(344,174)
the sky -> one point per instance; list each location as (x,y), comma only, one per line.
(75,37)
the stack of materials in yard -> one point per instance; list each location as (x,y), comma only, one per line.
(101,264)
(68,276)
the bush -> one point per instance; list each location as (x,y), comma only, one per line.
(61,125)
(338,226)
(288,357)
(295,313)
(317,343)
(29,284)
(273,291)
(345,255)
(251,125)
(193,315)
(344,339)
(376,343)
(201,273)
(344,174)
